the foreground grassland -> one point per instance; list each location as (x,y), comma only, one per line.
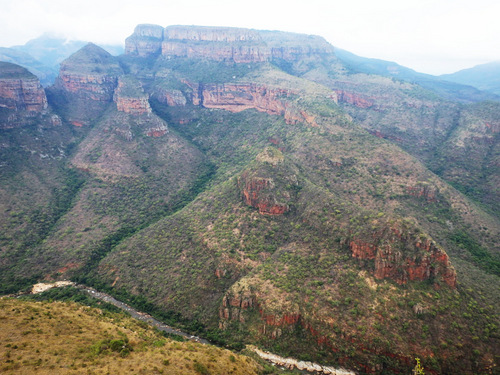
(68,338)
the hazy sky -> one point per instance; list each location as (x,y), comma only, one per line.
(431,36)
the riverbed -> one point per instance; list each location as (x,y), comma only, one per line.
(290,363)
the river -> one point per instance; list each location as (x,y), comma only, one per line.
(290,363)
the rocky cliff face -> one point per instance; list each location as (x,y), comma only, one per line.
(91,73)
(353,98)
(87,79)
(267,187)
(170,97)
(237,97)
(130,97)
(214,43)
(256,193)
(223,44)
(21,95)
(97,87)
(145,41)
(403,256)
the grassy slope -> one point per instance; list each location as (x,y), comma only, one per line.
(57,337)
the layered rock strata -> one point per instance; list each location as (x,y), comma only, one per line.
(421,260)
(223,44)
(21,95)
(237,97)
(293,47)
(91,73)
(355,99)
(214,43)
(130,97)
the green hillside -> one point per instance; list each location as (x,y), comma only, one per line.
(250,187)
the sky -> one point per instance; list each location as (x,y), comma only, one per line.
(430,36)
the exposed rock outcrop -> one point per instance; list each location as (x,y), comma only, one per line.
(237,97)
(292,47)
(170,97)
(403,256)
(91,73)
(358,100)
(215,43)
(145,41)
(255,193)
(130,97)
(232,306)
(87,81)
(21,95)
(20,90)
(267,187)
(291,363)
(230,44)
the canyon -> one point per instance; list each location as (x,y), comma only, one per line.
(249,186)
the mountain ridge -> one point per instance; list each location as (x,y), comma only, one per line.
(484,77)
(270,201)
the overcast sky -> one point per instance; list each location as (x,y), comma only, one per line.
(430,36)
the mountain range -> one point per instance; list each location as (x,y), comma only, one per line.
(42,56)
(266,188)
(485,77)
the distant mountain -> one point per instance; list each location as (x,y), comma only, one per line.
(485,77)
(45,74)
(451,89)
(51,51)
(41,56)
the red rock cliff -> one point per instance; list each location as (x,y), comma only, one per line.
(255,191)
(91,73)
(21,95)
(20,90)
(358,100)
(130,98)
(237,97)
(267,186)
(403,256)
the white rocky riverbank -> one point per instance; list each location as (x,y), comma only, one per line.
(291,363)
(42,287)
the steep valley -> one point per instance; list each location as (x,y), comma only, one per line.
(252,188)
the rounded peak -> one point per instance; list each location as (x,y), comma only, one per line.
(14,71)
(92,58)
(91,52)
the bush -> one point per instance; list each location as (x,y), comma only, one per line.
(200,368)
